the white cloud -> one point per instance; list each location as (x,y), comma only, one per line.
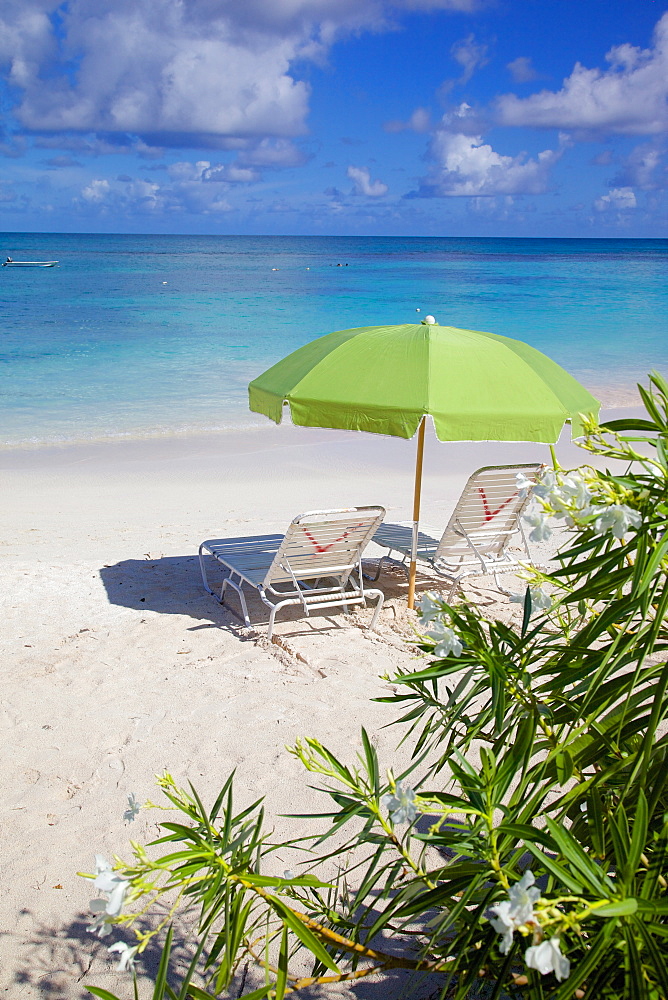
(361,178)
(644,168)
(468,167)
(203,171)
(273,153)
(616,198)
(96,191)
(630,97)
(186,190)
(174,71)
(470,55)
(419,121)
(521,69)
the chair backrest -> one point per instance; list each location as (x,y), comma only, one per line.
(324,543)
(488,511)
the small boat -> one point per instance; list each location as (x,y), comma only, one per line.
(30,263)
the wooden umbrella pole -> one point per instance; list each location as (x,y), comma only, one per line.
(416,513)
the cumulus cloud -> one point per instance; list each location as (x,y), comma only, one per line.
(168,69)
(96,191)
(185,190)
(465,166)
(521,70)
(272,153)
(205,172)
(644,168)
(471,55)
(616,198)
(631,97)
(363,184)
(419,121)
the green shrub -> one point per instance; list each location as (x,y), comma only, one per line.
(523,852)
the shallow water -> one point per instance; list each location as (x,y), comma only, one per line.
(141,336)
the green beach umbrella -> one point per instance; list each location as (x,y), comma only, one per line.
(388,379)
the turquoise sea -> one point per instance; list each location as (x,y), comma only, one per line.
(141,336)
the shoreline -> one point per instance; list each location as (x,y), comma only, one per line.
(621,397)
(228,433)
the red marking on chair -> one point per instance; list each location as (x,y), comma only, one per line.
(489,514)
(325,548)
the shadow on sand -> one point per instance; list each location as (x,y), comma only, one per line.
(59,962)
(172,585)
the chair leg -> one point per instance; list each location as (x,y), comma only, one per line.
(501,589)
(379,568)
(202,569)
(379,604)
(227,582)
(270,628)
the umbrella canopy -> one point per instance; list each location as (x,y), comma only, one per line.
(384,379)
(387,379)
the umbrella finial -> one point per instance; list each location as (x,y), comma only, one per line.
(429,321)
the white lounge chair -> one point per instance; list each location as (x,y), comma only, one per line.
(317,563)
(475,542)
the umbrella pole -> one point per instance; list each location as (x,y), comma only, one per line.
(416,513)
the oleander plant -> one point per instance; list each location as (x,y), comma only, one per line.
(524,851)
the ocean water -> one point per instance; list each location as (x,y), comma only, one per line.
(142,336)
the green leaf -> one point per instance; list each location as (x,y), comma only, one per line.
(618,908)
(526,617)
(99,992)
(161,977)
(371,762)
(563,876)
(591,873)
(304,933)
(282,975)
(564,764)
(639,834)
(629,424)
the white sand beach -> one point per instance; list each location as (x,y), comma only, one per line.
(117,665)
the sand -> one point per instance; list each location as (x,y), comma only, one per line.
(117,665)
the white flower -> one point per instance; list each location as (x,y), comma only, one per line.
(104,910)
(127,955)
(100,924)
(447,640)
(287,874)
(522,897)
(107,880)
(516,911)
(524,485)
(504,925)
(546,957)
(540,601)
(429,608)
(575,487)
(617,518)
(402,805)
(132,810)
(546,484)
(541,526)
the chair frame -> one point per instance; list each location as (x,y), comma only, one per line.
(319,576)
(471,559)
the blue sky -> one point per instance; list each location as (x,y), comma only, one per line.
(414,117)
